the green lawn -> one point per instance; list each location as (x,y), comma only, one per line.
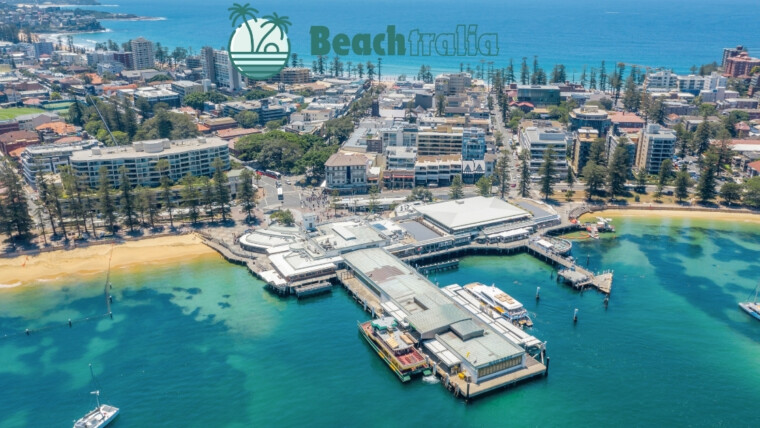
(10,113)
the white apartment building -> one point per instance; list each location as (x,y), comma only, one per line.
(49,158)
(142,53)
(439,141)
(347,172)
(452,83)
(537,137)
(663,80)
(657,144)
(190,156)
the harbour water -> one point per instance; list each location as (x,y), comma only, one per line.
(558,31)
(203,344)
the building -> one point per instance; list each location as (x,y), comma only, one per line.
(661,81)
(538,95)
(537,137)
(471,215)
(740,65)
(590,116)
(127,59)
(12,141)
(678,107)
(442,140)
(43,48)
(614,141)
(154,95)
(582,141)
(49,158)
(452,83)
(185,87)
(692,83)
(437,170)
(657,144)
(730,53)
(143,56)
(347,172)
(292,76)
(218,68)
(625,121)
(192,156)
(473,144)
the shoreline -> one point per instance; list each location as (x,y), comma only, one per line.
(93,260)
(675,213)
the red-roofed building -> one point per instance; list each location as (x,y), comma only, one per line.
(67,140)
(228,134)
(742,129)
(14,140)
(753,168)
(625,120)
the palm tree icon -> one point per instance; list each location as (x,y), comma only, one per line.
(275,21)
(243,12)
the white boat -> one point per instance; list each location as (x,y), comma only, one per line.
(101,416)
(752,308)
(501,302)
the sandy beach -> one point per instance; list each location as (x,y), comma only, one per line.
(686,214)
(94,260)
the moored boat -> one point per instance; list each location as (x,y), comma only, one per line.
(395,347)
(101,416)
(752,308)
(501,302)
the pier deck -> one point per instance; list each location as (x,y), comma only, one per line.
(467,390)
(360,292)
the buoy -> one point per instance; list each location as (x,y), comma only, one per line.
(110,314)
(27,332)
(588,259)
(538,290)
(575,315)
(69,322)
(110,299)
(606,301)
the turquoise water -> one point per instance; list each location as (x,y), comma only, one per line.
(673,33)
(202,344)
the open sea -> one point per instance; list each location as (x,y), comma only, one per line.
(202,344)
(671,33)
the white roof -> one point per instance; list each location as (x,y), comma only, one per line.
(471,212)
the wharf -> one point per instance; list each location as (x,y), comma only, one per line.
(467,390)
(438,267)
(360,292)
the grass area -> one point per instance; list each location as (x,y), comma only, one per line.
(10,113)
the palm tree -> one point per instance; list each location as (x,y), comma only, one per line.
(276,21)
(243,12)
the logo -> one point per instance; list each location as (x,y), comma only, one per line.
(259,47)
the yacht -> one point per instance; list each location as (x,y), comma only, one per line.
(501,302)
(101,416)
(752,308)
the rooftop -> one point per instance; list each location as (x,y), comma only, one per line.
(471,212)
(139,149)
(346,159)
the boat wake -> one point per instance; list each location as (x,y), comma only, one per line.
(432,379)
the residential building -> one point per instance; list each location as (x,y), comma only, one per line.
(142,54)
(624,140)
(625,121)
(538,95)
(590,116)
(49,158)
(11,142)
(679,107)
(657,144)
(155,95)
(740,65)
(43,48)
(437,170)
(347,172)
(538,137)
(730,53)
(218,68)
(661,81)
(127,59)
(582,141)
(292,76)
(190,156)
(452,83)
(400,157)
(473,170)
(473,144)
(185,87)
(442,140)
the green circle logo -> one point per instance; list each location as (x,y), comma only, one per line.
(259,47)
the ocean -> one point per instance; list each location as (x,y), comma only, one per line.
(202,344)
(675,33)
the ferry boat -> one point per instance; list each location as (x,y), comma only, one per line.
(101,416)
(752,308)
(395,347)
(501,302)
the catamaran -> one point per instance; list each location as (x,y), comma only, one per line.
(100,416)
(501,302)
(753,307)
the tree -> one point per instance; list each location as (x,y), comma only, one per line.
(163,124)
(706,186)
(484,186)
(524,72)
(596,152)
(666,171)
(595,176)
(127,200)
(247,119)
(106,204)
(701,137)
(42,191)
(284,217)
(440,104)
(731,192)
(502,172)
(641,180)
(617,172)
(682,184)
(632,96)
(752,192)
(163,166)
(15,209)
(456,191)
(191,196)
(547,174)
(222,187)
(195,100)
(247,194)
(209,196)
(74,187)
(374,191)
(525,173)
